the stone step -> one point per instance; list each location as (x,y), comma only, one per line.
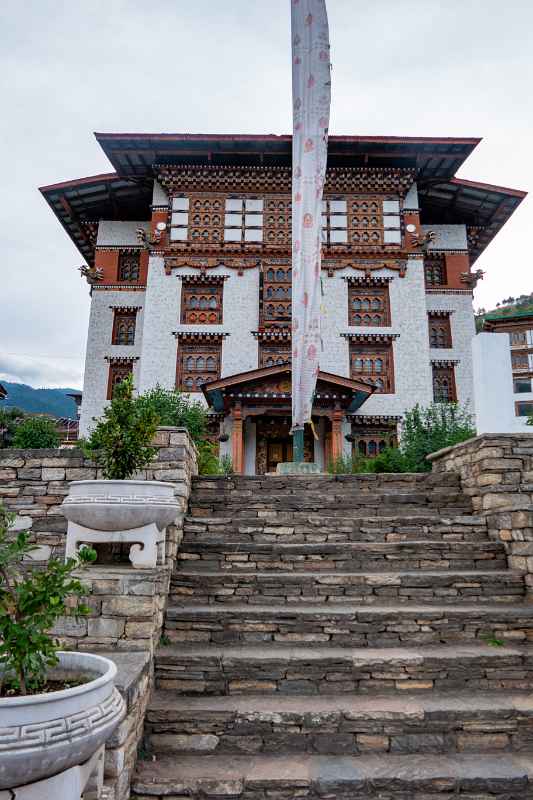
(270,669)
(340,724)
(304,483)
(345,556)
(446,586)
(349,624)
(298,526)
(391,777)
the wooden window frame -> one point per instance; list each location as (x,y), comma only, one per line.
(123,256)
(439,331)
(357,292)
(250,219)
(373,352)
(210,315)
(451,377)
(279,352)
(431,265)
(121,317)
(276,310)
(121,371)
(521,403)
(195,350)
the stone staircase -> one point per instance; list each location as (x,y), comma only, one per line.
(341,637)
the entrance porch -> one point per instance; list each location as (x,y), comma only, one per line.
(255,417)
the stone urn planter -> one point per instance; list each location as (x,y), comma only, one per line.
(121,511)
(44,735)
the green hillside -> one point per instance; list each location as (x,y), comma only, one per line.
(39,401)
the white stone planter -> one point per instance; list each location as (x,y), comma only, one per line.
(135,512)
(44,735)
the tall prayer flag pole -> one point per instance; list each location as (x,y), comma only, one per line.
(311,99)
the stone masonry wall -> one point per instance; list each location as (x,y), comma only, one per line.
(496,471)
(128,604)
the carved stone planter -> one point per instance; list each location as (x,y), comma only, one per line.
(121,512)
(47,734)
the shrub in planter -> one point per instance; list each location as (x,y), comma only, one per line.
(42,688)
(118,509)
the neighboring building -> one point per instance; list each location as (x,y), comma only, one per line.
(517,324)
(189,252)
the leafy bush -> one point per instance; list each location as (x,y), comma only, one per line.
(10,419)
(226,465)
(208,463)
(426,430)
(389,460)
(121,441)
(36,432)
(175,409)
(345,465)
(31,601)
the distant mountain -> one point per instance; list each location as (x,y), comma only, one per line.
(39,401)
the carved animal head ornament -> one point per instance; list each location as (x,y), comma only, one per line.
(472,278)
(423,240)
(91,274)
(146,241)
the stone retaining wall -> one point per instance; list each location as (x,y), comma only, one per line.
(496,472)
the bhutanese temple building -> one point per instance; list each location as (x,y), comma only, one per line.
(188,247)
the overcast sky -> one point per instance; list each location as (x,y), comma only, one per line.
(400,67)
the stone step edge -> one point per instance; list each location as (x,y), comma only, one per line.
(273,575)
(213,776)
(411,707)
(353,611)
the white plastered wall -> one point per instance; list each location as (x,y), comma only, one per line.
(99,346)
(493,381)
(463,330)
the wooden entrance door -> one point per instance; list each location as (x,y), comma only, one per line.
(278,451)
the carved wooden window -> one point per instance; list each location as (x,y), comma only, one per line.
(124,327)
(373,220)
(274,354)
(117,373)
(435,271)
(129,266)
(206,219)
(243,220)
(201,303)
(368,306)
(444,385)
(523,409)
(518,338)
(335,221)
(521,360)
(277,295)
(373,361)
(278,221)
(372,443)
(440,334)
(198,363)
(179,219)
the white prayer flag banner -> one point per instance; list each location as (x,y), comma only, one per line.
(311,97)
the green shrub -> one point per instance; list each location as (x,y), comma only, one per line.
(31,602)
(426,430)
(121,441)
(345,465)
(208,463)
(389,460)
(10,419)
(226,465)
(173,408)
(36,432)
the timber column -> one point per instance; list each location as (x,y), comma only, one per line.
(336,432)
(237,440)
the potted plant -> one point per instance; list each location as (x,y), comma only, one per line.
(118,508)
(56,708)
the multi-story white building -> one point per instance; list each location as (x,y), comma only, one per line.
(188,245)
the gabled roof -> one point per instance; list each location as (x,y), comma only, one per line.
(219,392)
(127,193)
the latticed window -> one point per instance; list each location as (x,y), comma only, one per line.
(277,295)
(201,303)
(243,220)
(373,361)
(439,331)
(179,219)
(444,385)
(274,354)
(124,327)
(278,221)
(435,271)
(368,305)
(117,373)
(335,221)
(198,363)
(129,266)
(374,221)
